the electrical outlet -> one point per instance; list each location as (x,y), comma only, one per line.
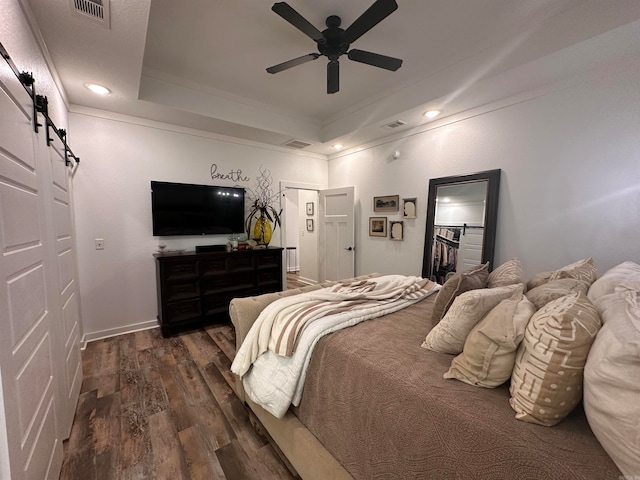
(99,243)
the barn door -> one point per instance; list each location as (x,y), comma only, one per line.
(36,396)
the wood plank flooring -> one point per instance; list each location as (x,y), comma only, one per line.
(156,408)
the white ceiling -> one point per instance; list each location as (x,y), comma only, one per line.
(201,63)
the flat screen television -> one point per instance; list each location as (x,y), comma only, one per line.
(187,209)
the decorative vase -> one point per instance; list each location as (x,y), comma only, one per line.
(262,231)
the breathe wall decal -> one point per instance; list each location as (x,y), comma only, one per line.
(236,175)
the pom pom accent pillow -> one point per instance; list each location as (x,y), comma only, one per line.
(509,273)
(467,309)
(546,383)
(612,380)
(460,282)
(489,352)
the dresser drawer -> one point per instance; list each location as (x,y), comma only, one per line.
(184,310)
(213,283)
(182,290)
(269,259)
(180,269)
(214,265)
(269,275)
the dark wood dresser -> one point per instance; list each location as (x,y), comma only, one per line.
(195,288)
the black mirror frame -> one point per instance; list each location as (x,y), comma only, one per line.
(491,214)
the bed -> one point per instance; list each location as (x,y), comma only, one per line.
(375,405)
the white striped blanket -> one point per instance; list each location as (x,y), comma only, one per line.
(273,357)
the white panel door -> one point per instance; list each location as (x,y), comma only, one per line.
(68,335)
(336,240)
(27,306)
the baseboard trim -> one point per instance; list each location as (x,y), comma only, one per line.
(112,332)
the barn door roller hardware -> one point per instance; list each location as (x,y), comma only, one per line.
(41,106)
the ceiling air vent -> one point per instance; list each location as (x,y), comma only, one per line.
(96,10)
(293,143)
(395,124)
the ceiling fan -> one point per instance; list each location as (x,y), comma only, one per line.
(334,41)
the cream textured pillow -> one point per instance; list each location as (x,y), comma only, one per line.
(627,273)
(554,289)
(490,349)
(612,380)
(467,309)
(546,383)
(460,282)
(581,270)
(538,279)
(508,273)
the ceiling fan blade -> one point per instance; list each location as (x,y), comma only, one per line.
(293,63)
(333,76)
(377,12)
(294,18)
(375,59)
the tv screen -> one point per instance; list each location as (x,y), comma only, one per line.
(186,209)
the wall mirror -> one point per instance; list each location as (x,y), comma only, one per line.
(462,214)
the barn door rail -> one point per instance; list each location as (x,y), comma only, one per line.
(40,106)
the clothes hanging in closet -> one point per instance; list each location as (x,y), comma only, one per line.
(445,252)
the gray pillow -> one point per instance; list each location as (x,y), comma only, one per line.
(461,282)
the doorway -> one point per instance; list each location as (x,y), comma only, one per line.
(299,205)
(317,232)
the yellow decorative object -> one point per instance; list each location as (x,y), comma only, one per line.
(267,218)
(262,231)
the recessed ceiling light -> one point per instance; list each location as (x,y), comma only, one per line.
(337,146)
(432,113)
(96,88)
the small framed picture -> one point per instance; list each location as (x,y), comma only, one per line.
(377,226)
(390,203)
(309,208)
(309,224)
(409,207)
(397,230)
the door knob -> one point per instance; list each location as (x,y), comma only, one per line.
(349,248)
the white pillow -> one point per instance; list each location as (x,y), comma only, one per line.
(612,380)
(627,273)
(449,335)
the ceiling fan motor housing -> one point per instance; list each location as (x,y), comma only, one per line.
(333,45)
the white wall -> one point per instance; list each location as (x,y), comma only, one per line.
(570,186)
(120,156)
(308,241)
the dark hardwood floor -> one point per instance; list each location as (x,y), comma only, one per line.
(163,408)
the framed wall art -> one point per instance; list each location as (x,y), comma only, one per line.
(390,203)
(377,226)
(396,229)
(309,208)
(409,207)
(309,224)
